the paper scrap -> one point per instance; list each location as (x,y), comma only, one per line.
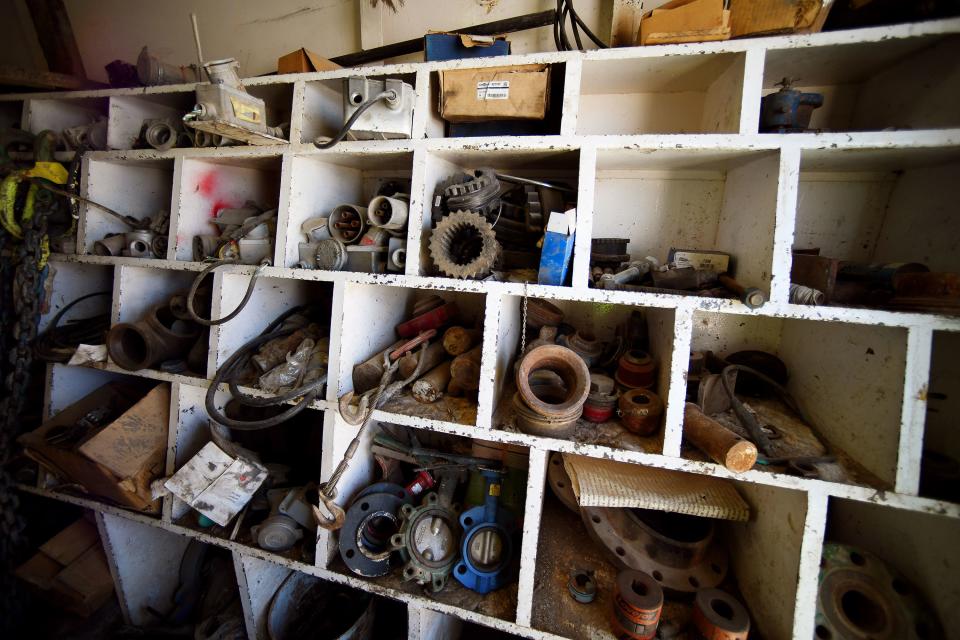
(216,484)
(88,354)
(606,483)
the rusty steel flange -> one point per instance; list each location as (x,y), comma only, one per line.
(541,313)
(637,603)
(464,245)
(719,616)
(566,364)
(559,482)
(640,411)
(156,337)
(861,596)
(635,370)
(677,550)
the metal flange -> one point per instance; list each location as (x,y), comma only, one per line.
(428,541)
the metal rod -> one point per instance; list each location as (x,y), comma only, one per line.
(196,41)
(509,25)
(536,183)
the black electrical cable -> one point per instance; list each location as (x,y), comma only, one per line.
(238,361)
(233,314)
(82,331)
(345,129)
(564,10)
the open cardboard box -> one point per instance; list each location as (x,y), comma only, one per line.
(119,460)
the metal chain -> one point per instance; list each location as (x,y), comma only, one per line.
(26,293)
(523,326)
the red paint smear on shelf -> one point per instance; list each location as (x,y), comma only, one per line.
(207,183)
(220,204)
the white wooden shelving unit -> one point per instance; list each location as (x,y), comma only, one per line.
(663,143)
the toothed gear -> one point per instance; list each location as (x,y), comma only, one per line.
(463,245)
(439,205)
(480,193)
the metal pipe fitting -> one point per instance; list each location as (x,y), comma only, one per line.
(584,344)
(154,338)
(111,245)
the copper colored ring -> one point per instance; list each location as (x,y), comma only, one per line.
(635,370)
(565,363)
(719,616)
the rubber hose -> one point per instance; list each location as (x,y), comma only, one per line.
(233,314)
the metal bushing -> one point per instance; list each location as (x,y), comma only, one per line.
(371,521)
(568,366)
(541,313)
(347,223)
(388,212)
(637,603)
(277,533)
(635,370)
(719,616)
(529,421)
(640,411)
(560,484)
(678,551)
(429,541)
(464,245)
(156,337)
(582,587)
(861,596)
(602,399)
(584,344)
(205,247)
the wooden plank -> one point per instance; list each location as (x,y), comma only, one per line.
(626,22)
(56,37)
(33,79)
(69,544)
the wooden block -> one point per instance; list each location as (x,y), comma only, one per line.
(69,544)
(87,582)
(39,571)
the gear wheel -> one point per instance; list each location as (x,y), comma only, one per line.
(464,245)
(480,193)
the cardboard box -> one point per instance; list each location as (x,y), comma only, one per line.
(303,61)
(685,21)
(557,248)
(439,45)
(119,460)
(519,92)
(768,17)
(71,570)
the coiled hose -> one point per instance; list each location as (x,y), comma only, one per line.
(238,362)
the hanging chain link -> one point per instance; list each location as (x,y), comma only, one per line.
(523,326)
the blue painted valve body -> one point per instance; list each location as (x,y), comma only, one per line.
(486,547)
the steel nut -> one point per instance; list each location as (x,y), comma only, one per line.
(640,411)
(570,368)
(635,370)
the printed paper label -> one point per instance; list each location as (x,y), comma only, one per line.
(244,111)
(493,90)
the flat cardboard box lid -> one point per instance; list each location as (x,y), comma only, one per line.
(519,92)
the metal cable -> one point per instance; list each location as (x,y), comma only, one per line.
(345,129)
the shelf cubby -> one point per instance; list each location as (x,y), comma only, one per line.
(323,113)
(128,113)
(940,464)
(659,95)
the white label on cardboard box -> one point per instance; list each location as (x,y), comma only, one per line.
(493,90)
(216,484)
